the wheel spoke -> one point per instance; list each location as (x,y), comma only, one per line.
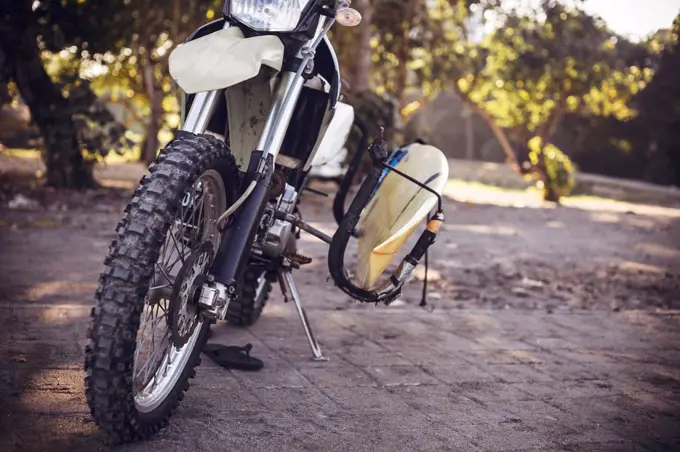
(164,286)
(150,322)
(156,320)
(199,219)
(165,275)
(158,354)
(175,262)
(164,250)
(176,246)
(182,234)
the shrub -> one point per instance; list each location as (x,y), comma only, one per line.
(551,168)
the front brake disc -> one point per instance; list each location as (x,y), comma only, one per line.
(183,313)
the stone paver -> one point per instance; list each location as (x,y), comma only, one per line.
(398,379)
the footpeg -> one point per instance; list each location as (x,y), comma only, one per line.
(290,292)
(300,259)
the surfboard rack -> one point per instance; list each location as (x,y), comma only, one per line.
(418,183)
(391,289)
(354,165)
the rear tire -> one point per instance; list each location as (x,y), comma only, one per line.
(122,295)
(247,309)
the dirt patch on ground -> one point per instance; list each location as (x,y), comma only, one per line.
(498,248)
(504,249)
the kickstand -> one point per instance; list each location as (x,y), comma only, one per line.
(289,289)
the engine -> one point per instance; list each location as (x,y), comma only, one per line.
(276,237)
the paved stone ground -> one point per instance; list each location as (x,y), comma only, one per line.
(398,379)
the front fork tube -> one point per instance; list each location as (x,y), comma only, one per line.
(237,239)
(201,111)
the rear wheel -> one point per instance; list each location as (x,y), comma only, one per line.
(146,332)
(247,309)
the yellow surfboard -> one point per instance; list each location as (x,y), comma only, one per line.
(397,208)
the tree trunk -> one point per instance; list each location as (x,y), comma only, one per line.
(362,75)
(155,95)
(51,112)
(550,195)
(403,53)
(5,96)
(175,36)
(469,134)
(500,135)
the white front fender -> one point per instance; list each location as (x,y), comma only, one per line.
(223,59)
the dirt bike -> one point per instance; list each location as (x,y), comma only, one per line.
(216,220)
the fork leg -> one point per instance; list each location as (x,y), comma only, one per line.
(290,291)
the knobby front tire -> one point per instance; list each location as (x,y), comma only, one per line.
(121,296)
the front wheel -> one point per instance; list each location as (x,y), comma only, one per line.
(146,332)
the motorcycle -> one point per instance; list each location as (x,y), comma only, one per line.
(216,220)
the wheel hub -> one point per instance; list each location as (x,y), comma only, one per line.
(183,309)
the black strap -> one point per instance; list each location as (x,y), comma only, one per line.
(423,301)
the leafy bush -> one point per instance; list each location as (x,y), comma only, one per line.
(551,168)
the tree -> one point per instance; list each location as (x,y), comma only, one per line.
(614,147)
(364,61)
(401,26)
(659,104)
(529,73)
(75,127)
(386,50)
(141,57)
(133,44)
(19,51)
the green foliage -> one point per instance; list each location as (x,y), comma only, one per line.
(541,66)
(88,25)
(659,105)
(556,174)
(403,33)
(535,68)
(99,133)
(122,49)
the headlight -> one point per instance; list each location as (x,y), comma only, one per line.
(268,15)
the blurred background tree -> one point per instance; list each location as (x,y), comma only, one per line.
(659,107)
(546,88)
(67,58)
(50,110)
(536,67)
(136,59)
